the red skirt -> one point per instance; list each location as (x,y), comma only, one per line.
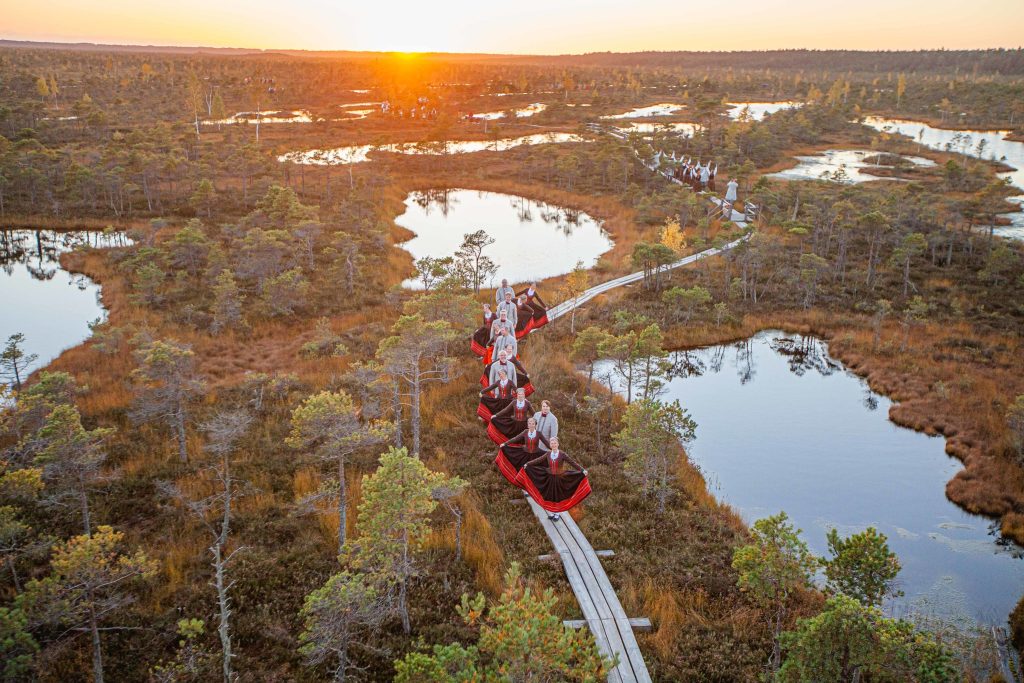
(503,428)
(523,327)
(489,405)
(479,341)
(554,492)
(540,317)
(510,460)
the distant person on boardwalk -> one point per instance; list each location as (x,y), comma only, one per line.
(510,420)
(555,481)
(711,177)
(705,176)
(499,295)
(527,445)
(546,420)
(730,198)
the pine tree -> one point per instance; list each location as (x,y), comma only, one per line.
(88,583)
(214,512)
(167,382)
(415,354)
(203,199)
(772,567)
(652,436)
(862,567)
(394,517)
(329,424)
(71,457)
(227,303)
(336,616)
(852,642)
(521,639)
(586,349)
(189,249)
(17,646)
(14,362)
(218,111)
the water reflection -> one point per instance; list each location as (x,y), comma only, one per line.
(665,109)
(524,112)
(272,116)
(756,111)
(51,307)
(356,154)
(783,426)
(532,239)
(848,166)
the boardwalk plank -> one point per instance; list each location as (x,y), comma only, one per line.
(583,596)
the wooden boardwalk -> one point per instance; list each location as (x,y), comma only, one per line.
(602,611)
(612,628)
(566,306)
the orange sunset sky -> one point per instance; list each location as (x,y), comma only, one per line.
(523,26)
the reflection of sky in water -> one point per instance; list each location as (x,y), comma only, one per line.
(275,116)
(794,431)
(995,147)
(525,112)
(360,153)
(653,110)
(50,306)
(532,239)
(757,110)
(849,161)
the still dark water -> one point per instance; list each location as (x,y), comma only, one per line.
(782,426)
(49,305)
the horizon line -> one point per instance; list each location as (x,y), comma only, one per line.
(55,44)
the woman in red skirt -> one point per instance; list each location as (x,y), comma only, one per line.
(524,318)
(555,481)
(540,309)
(519,450)
(510,420)
(481,339)
(495,397)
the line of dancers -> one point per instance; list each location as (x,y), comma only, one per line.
(529,453)
(696,176)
